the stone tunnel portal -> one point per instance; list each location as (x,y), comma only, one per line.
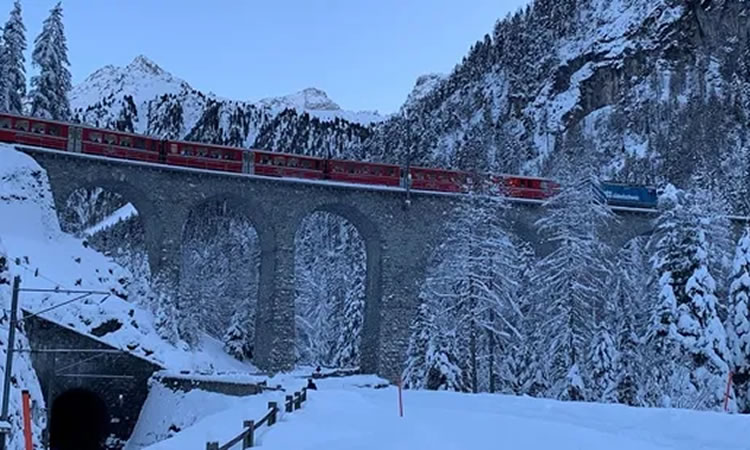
(79,421)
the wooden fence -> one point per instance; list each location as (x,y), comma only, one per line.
(247,436)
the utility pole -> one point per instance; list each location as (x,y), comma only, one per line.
(9,360)
(407,175)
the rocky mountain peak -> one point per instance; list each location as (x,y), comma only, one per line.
(143,64)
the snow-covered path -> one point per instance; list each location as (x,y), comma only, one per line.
(340,416)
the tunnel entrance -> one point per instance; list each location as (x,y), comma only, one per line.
(79,421)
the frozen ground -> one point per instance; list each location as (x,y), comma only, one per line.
(342,415)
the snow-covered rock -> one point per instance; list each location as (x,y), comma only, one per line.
(424,85)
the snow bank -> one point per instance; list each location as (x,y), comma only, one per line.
(338,417)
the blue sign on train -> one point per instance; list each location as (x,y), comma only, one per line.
(630,196)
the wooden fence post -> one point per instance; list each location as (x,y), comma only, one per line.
(297,402)
(288,405)
(212,446)
(304,394)
(272,417)
(249,439)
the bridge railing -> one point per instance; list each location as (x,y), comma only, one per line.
(247,436)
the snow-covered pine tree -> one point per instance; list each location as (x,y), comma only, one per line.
(477,270)
(603,362)
(570,280)
(686,334)
(421,336)
(699,329)
(165,320)
(237,340)
(628,389)
(626,297)
(738,322)
(330,262)
(49,89)
(670,271)
(528,350)
(13,62)
(346,352)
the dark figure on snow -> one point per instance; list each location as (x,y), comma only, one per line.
(317,373)
(311,385)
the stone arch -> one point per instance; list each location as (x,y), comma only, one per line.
(79,421)
(262,261)
(373,245)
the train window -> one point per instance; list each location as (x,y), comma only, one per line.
(139,143)
(173,149)
(22,125)
(279,161)
(125,141)
(5,122)
(38,128)
(293,162)
(53,130)
(265,159)
(110,139)
(187,150)
(95,137)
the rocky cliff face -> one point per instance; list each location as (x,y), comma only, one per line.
(649,90)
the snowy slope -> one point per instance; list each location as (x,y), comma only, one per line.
(47,258)
(341,416)
(123,213)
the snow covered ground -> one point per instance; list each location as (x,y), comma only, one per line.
(342,415)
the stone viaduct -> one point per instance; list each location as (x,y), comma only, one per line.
(399,238)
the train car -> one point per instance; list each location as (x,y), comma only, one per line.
(288,165)
(437,179)
(205,156)
(36,132)
(619,194)
(529,187)
(364,173)
(117,144)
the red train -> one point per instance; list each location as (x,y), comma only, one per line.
(84,139)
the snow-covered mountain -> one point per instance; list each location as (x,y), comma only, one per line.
(651,90)
(142,97)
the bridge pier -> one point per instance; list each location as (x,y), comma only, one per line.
(274,319)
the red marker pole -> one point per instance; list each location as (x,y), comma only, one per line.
(400,399)
(25,398)
(726,394)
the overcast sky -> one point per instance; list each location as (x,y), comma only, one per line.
(366,54)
